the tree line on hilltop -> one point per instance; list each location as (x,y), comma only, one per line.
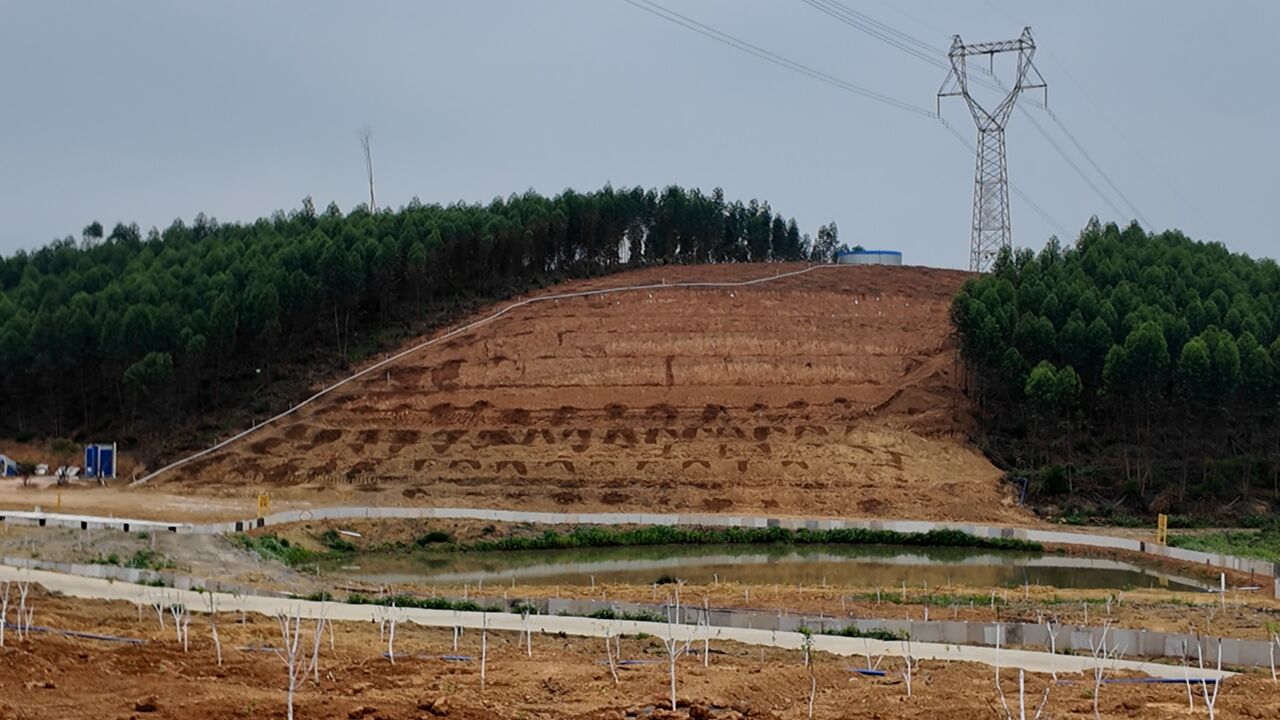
(120,329)
(1132,365)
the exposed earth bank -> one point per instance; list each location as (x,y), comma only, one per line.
(833,392)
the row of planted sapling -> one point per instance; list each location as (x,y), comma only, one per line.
(302,642)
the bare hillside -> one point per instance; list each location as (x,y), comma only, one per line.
(828,393)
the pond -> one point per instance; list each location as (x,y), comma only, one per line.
(854,565)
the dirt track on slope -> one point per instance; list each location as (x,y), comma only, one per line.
(830,393)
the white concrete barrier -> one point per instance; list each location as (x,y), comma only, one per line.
(100,589)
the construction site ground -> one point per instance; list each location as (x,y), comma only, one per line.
(50,676)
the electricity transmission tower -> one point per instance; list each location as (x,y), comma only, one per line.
(991,180)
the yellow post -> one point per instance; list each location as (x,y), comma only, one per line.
(57,505)
(264,505)
(1162,529)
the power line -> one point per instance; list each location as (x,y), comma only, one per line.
(879,31)
(727,39)
(1099,170)
(1083,175)
(923,51)
(895,38)
(1133,147)
(1102,112)
(709,32)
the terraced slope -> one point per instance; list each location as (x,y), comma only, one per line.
(831,392)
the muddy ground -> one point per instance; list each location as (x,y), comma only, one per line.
(49,676)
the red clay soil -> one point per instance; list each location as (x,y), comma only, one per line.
(829,393)
(59,678)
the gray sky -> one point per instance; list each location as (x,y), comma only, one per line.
(147,111)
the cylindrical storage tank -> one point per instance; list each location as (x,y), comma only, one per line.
(869,257)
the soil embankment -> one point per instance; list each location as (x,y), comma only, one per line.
(833,392)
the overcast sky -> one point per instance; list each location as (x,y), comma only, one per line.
(148,111)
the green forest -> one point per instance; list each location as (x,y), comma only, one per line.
(1134,368)
(124,334)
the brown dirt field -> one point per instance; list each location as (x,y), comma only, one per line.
(56,677)
(830,393)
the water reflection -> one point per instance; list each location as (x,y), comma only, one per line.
(862,565)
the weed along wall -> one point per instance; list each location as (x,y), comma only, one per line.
(1266,573)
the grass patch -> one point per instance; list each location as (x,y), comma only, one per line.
(271,547)
(1264,544)
(665,535)
(146,559)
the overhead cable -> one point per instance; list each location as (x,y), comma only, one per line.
(727,39)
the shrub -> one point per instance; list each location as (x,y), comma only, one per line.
(146,559)
(271,547)
(433,537)
(333,540)
(873,634)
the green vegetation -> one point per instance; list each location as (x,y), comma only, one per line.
(524,608)
(145,559)
(412,601)
(596,536)
(637,616)
(276,548)
(139,330)
(319,596)
(112,559)
(874,633)
(433,537)
(1131,365)
(1263,544)
(333,540)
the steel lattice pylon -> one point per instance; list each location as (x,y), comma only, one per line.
(991,178)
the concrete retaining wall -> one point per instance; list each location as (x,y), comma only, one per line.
(1266,573)
(1070,638)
